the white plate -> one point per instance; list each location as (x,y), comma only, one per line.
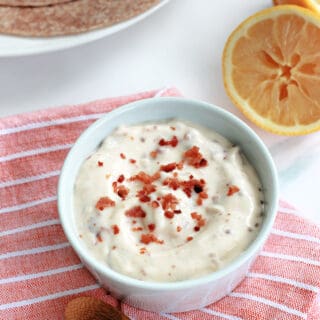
(13,46)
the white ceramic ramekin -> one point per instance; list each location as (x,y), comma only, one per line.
(189,294)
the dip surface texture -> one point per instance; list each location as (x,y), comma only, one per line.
(167,202)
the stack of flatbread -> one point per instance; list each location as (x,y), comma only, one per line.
(44,18)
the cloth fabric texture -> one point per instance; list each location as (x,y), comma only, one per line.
(40,273)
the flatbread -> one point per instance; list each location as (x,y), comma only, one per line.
(69,18)
(30,3)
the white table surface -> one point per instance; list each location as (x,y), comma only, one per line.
(180,45)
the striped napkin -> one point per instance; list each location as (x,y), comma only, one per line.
(40,273)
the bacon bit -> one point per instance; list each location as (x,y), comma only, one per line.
(179,228)
(104,202)
(144,198)
(100,163)
(122,192)
(99,237)
(189,238)
(151,227)
(122,156)
(149,237)
(135,229)
(135,212)
(154,204)
(169,214)
(115,229)
(194,158)
(195,216)
(180,165)
(202,195)
(153,154)
(169,201)
(145,178)
(143,250)
(200,221)
(199,201)
(132,161)
(189,185)
(232,189)
(168,167)
(172,183)
(121,178)
(143,194)
(173,142)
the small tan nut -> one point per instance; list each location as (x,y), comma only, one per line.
(89,308)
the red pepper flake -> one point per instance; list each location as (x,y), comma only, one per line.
(115,229)
(169,201)
(173,128)
(104,202)
(150,237)
(173,142)
(135,229)
(151,227)
(121,178)
(122,192)
(197,188)
(168,167)
(196,228)
(100,163)
(122,156)
(135,212)
(195,158)
(134,221)
(143,250)
(232,189)
(169,214)
(154,204)
(189,239)
(114,248)
(115,186)
(132,161)
(179,228)
(99,237)
(153,154)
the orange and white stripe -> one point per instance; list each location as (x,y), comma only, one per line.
(40,272)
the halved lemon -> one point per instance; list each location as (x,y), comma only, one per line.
(271,69)
(313,5)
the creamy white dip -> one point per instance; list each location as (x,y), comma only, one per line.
(167,202)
